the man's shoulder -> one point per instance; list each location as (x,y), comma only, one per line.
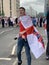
(26,17)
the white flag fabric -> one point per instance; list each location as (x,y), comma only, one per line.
(36,47)
(35,40)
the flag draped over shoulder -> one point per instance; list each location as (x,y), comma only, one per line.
(34,38)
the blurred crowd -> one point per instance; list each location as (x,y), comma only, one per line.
(8,21)
(38,21)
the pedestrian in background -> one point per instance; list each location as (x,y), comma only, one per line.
(3,22)
(6,22)
(41,20)
(16,21)
(9,22)
(47,49)
(34,21)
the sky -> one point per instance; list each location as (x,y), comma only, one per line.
(27,1)
(24,1)
(37,5)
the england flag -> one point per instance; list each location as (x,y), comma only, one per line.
(34,38)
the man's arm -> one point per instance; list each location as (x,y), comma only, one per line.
(22,32)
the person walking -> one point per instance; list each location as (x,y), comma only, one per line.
(3,22)
(41,20)
(22,40)
(47,49)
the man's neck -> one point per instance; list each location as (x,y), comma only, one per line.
(23,15)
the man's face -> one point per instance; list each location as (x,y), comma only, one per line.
(22,12)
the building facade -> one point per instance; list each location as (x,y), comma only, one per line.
(10,7)
(46,6)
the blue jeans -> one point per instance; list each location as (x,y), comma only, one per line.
(21,43)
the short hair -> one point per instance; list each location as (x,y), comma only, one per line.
(22,8)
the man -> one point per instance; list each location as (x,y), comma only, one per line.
(22,40)
(9,22)
(3,22)
(41,19)
(47,50)
(34,21)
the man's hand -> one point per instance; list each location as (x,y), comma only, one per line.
(23,36)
